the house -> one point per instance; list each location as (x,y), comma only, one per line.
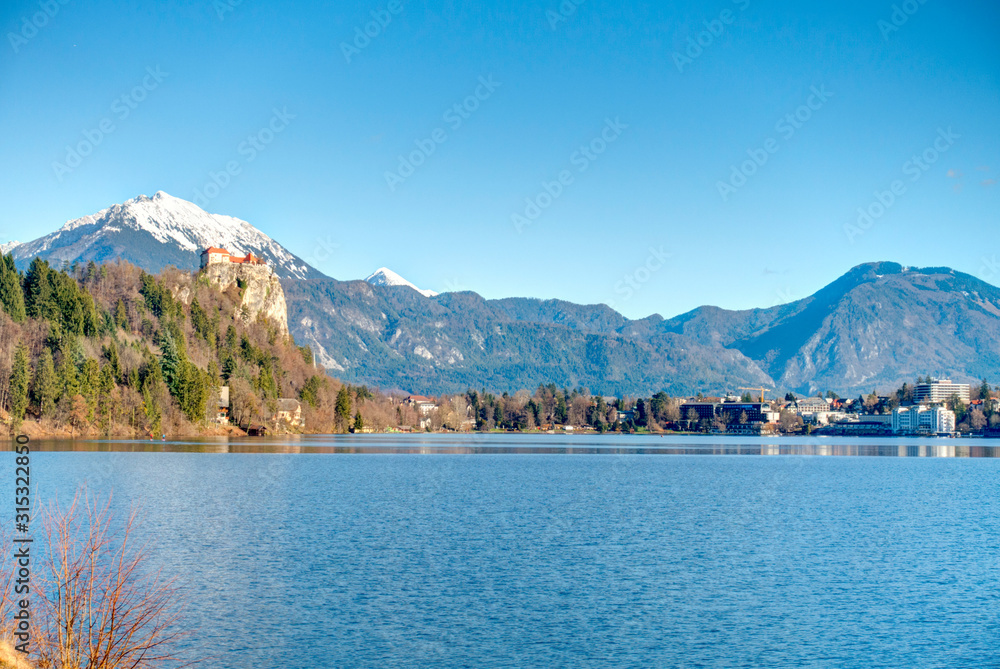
(215,255)
(222,406)
(423,404)
(289,412)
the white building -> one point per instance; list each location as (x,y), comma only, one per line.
(812,405)
(939,391)
(923,420)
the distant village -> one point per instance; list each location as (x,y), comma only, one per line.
(111,350)
(931,407)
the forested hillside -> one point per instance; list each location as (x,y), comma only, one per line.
(111,350)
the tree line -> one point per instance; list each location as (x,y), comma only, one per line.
(113,350)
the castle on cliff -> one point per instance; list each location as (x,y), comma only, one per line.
(214,255)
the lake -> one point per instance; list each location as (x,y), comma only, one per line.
(565,551)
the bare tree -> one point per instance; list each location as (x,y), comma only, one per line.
(101,607)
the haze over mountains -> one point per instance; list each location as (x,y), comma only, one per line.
(877,326)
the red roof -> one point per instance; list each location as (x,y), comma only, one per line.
(215,249)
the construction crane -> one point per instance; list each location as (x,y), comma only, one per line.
(762,390)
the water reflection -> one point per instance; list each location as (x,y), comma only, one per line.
(494,444)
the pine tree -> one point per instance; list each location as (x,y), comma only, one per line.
(359,422)
(20,381)
(46,386)
(69,378)
(111,354)
(38,298)
(11,297)
(170,361)
(121,315)
(194,392)
(106,398)
(343,406)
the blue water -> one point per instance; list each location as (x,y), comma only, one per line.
(553,559)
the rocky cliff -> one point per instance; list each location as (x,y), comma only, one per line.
(260,288)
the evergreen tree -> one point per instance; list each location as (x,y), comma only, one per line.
(69,378)
(359,422)
(199,320)
(111,355)
(641,413)
(106,398)
(310,391)
(562,412)
(11,296)
(343,407)
(170,360)
(121,315)
(38,300)
(20,381)
(45,389)
(194,392)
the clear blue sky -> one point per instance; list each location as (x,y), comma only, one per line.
(322,180)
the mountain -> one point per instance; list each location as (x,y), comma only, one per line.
(400,339)
(877,326)
(386,277)
(157,231)
(8,247)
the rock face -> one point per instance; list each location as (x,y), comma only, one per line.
(261,289)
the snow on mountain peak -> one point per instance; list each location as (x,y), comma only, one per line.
(384,276)
(8,247)
(172,221)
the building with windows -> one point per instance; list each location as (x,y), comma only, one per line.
(730,412)
(423,404)
(289,412)
(939,391)
(812,405)
(923,420)
(214,255)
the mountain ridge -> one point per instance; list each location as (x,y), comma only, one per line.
(877,325)
(157,231)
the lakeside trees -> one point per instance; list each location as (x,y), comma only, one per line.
(110,349)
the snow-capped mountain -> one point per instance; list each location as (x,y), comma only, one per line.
(8,247)
(157,231)
(386,277)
